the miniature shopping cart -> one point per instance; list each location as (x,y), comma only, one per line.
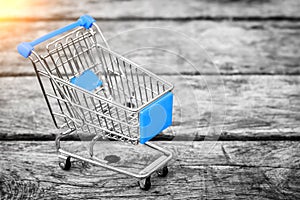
(90,88)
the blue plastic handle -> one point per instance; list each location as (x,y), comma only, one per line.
(25,48)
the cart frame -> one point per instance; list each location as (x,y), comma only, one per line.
(63,93)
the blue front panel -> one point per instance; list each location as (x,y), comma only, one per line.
(156,117)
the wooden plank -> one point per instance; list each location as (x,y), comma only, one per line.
(158,9)
(244,108)
(234,47)
(199,170)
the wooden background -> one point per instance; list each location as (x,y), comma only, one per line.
(255,46)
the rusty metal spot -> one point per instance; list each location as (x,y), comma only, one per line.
(112,158)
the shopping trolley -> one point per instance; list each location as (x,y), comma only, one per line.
(101,93)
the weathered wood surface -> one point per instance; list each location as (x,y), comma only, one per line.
(153,10)
(248,38)
(199,170)
(245,108)
(234,47)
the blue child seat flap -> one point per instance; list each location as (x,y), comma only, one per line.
(88,80)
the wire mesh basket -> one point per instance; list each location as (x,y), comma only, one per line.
(99,92)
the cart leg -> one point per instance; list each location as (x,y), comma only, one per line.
(62,135)
(93,142)
(64,161)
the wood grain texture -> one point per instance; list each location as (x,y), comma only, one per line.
(177,47)
(254,46)
(199,170)
(229,107)
(157,9)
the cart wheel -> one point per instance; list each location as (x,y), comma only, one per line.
(66,165)
(163,172)
(145,184)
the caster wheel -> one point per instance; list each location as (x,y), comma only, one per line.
(145,184)
(66,165)
(163,172)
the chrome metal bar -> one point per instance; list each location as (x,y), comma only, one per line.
(112,110)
